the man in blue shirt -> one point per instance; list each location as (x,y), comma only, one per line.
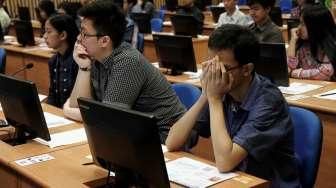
(244,112)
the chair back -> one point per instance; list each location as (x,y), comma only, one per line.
(156,24)
(2,60)
(187,93)
(308,134)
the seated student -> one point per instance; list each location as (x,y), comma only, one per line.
(145,6)
(70,8)
(263,27)
(47,9)
(187,7)
(312,48)
(245,113)
(61,33)
(233,15)
(4,18)
(117,74)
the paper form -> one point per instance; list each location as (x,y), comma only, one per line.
(192,173)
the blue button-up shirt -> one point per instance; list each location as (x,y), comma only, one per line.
(262,126)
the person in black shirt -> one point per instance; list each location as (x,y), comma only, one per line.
(187,7)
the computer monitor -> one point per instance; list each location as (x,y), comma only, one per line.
(1,34)
(175,53)
(171,5)
(292,23)
(24,13)
(22,108)
(24,32)
(143,22)
(273,63)
(184,25)
(216,11)
(276,16)
(126,141)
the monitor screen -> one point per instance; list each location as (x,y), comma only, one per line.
(273,63)
(185,25)
(175,53)
(216,11)
(24,32)
(126,141)
(1,34)
(24,13)
(143,22)
(22,108)
(276,16)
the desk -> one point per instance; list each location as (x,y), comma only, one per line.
(66,170)
(325,109)
(200,48)
(208,27)
(18,57)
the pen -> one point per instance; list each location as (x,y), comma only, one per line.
(327,94)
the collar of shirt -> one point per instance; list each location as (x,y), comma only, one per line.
(67,53)
(264,26)
(247,103)
(108,61)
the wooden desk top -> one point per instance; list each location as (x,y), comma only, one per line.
(149,37)
(311,102)
(29,50)
(72,173)
(32,148)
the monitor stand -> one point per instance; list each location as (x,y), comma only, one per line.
(20,137)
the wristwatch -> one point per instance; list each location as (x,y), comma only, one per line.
(84,68)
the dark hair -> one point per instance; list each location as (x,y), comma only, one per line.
(65,23)
(263,3)
(107,19)
(144,2)
(240,40)
(70,8)
(321,30)
(47,6)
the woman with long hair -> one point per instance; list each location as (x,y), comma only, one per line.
(312,48)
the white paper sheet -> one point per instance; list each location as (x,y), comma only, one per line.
(42,97)
(64,138)
(55,121)
(192,173)
(332,95)
(298,88)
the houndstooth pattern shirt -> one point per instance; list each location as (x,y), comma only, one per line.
(126,78)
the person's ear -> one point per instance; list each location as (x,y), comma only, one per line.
(248,69)
(63,35)
(105,41)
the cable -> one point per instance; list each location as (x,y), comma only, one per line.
(108,175)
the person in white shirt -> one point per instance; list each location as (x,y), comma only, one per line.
(233,15)
(4,18)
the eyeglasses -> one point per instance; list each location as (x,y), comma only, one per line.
(227,68)
(86,35)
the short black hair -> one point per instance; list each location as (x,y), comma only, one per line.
(239,39)
(107,19)
(263,3)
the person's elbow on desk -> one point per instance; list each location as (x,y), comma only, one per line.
(72,113)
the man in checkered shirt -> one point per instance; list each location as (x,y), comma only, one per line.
(113,72)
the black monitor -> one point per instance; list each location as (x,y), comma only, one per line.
(125,141)
(171,5)
(185,25)
(175,52)
(24,32)
(22,108)
(276,16)
(292,23)
(24,13)
(143,21)
(216,11)
(1,34)
(273,63)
